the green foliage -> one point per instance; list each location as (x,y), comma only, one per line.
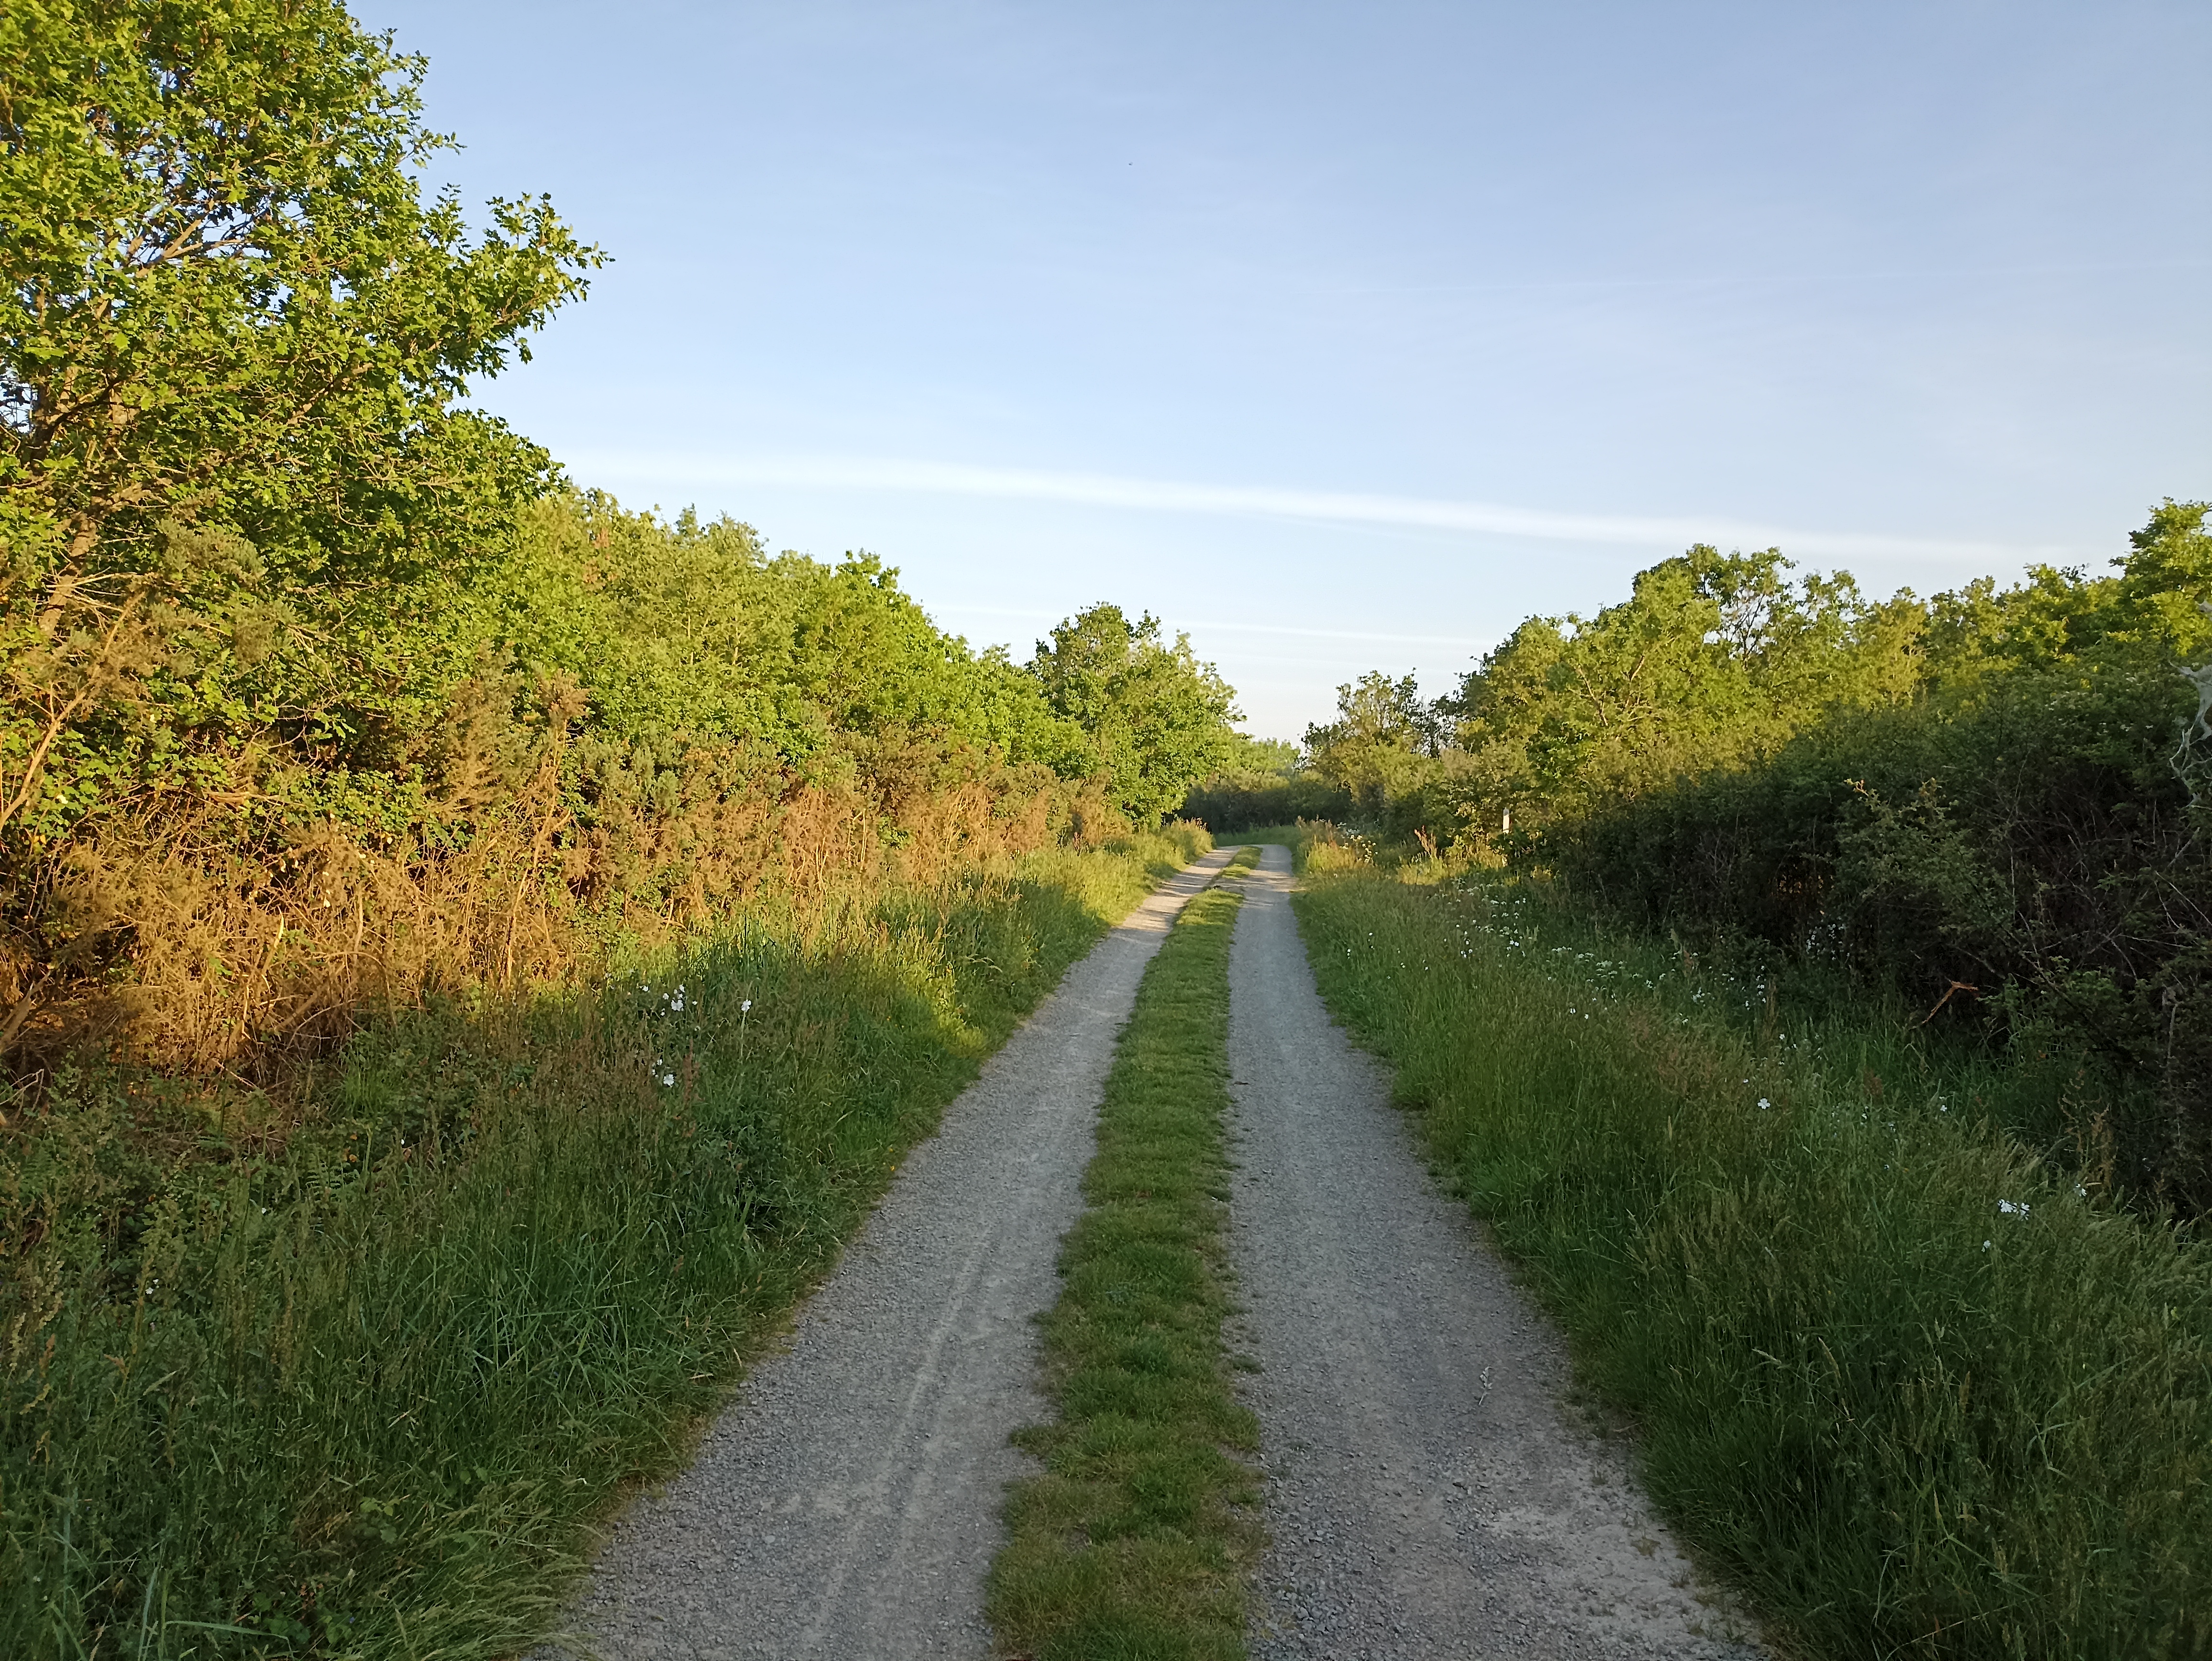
(1383,743)
(237,491)
(2018,844)
(1133,1542)
(1990,803)
(1154,719)
(267,583)
(1713,660)
(1264,782)
(358,1386)
(341,753)
(1385,752)
(1258,758)
(1235,802)
(685,628)
(1914,1393)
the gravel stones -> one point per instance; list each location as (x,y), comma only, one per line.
(846,1501)
(1427,1496)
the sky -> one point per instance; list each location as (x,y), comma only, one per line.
(1346,337)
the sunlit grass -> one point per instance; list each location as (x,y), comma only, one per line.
(1915,1389)
(363,1391)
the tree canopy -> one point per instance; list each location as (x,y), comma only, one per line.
(238,486)
(258,544)
(1154,718)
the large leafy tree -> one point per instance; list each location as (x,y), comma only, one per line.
(240,489)
(691,632)
(1714,661)
(1156,719)
(1383,743)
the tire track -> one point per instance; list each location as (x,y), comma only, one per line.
(847,1502)
(1426,1494)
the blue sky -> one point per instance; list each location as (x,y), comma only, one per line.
(1345,337)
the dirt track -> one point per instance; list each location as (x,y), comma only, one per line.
(1426,1494)
(847,1502)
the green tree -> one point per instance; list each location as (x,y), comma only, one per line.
(1383,743)
(1262,758)
(1714,661)
(1154,719)
(238,489)
(691,629)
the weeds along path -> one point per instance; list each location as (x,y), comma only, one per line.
(847,1502)
(1426,1493)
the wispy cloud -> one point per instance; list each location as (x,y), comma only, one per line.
(1032,613)
(1335,507)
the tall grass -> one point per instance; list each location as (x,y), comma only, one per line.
(1919,1390)
(352,1374)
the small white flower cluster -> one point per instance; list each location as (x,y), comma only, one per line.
(665,1078)
(2012,1208)
(673,1000)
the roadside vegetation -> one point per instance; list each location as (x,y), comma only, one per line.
(1810,991)
(468,951)
(1915,1389)
(1135,1539)
(1988,808)
(355,1375)
(1264,783)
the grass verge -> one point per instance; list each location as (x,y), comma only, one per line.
(1918,1392)
(362,1390)
(1134,1540)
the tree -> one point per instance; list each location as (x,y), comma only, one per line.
(1262,758)
(1383,743)
(1155,720)
(238,487)
(1714,661)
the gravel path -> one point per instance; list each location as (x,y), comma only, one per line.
(1425,1495)
(847,1502)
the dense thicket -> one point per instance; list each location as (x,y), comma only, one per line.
(1264,782)
(318,686)
(468,954)
(1989,802)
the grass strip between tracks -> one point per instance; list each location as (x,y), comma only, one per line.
(1134,1540)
